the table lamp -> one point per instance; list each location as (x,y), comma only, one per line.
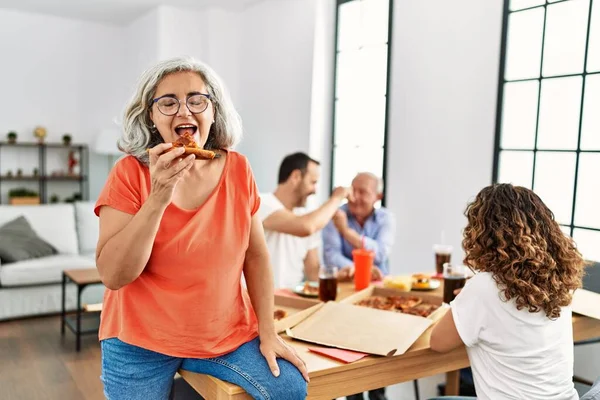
(106,143)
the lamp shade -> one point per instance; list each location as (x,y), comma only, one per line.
(106,142)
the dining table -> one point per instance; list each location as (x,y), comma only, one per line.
(330,378)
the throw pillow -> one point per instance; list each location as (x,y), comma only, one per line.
(18,242)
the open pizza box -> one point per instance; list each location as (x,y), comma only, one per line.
(385,292)
(295,308)
(348,326)
(586,303)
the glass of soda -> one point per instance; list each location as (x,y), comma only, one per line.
(455,277)
(328,283)
(443,253)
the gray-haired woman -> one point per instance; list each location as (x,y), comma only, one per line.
(176,234)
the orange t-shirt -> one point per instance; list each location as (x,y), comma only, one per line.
(189,300)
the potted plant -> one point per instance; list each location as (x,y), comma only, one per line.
(12,137)
(54,199)
(66,139)
(23,196)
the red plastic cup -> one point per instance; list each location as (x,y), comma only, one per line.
(363,266)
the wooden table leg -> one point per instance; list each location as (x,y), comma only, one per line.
(452,383)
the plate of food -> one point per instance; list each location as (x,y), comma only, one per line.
(424,282)
(307,289)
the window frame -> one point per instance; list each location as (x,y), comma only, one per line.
(387,97)
(540,79)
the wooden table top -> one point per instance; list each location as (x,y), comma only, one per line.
(84,276)
(331,378)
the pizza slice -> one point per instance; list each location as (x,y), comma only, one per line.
(422,310)
(376,302)
(404,303)
(279,314)
(191,147)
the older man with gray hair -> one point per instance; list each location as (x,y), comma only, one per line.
(359,220)
(356,222)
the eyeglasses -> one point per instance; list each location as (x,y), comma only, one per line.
(169,104)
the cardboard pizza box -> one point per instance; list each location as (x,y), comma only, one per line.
(346,325)
(297,309)
(367,330)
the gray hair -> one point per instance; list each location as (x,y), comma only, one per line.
(378,180)
(138,134)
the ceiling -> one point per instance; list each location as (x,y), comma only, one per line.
(116,12)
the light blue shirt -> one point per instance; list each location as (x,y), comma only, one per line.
(379,231)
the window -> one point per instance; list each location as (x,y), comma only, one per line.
(361,85)
(548,127)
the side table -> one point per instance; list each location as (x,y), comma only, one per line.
(82,278)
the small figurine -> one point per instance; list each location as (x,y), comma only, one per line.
(40,133)
(74,168)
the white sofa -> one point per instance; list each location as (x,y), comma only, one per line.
(33,287)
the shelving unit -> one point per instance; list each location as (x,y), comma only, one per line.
(44,177)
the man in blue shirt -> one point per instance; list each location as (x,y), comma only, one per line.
(359,221)
(355,223)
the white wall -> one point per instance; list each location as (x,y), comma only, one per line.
(180,33)
(276,62)
(444,82)
(61,74)
(223,51)
(142,43)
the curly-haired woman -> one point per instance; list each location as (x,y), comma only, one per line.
(514,315)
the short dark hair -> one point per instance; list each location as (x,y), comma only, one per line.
(293,162)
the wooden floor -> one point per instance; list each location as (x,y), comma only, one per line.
(36,362)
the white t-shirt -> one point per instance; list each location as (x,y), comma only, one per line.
(287,251)
(514,354)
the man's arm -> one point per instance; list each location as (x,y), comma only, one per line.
(381,245)
(332,248)
(285,221)
(311,265)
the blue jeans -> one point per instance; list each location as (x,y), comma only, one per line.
(131,373)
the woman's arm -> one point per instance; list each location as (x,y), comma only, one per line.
(259,280)
(444,336)
(125,241)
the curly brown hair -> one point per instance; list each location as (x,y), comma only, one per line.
(513,235)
